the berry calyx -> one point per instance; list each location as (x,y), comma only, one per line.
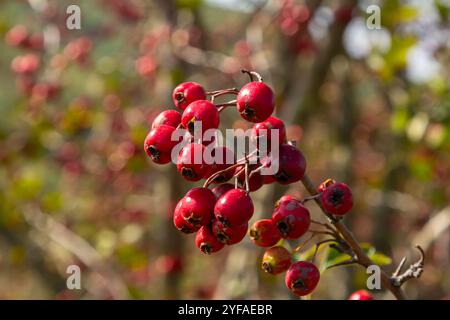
(198,206)
(337,199)
(360,295)
(186,93)
(158,144)
(292,219)
(276,260)
(180,222)
(168,117)
(302,278)
(325,184)
(190,162)
(206,241)
(292,164)
(202,111)
(264,233)
(229,235)
(221,189)
(255,101)
(234,208)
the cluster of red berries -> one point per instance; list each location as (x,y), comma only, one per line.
(220,215)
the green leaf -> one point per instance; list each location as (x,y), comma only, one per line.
(380,259)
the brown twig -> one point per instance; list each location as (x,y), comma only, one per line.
(413,272)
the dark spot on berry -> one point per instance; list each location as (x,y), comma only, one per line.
(188,173)
(223,221)
(222,237)
(336,197)
(205,248)
(154,153)
(249,112)
(267,267)
(254,234)
(283,226)
(282,176)
(179,96)
(299,284)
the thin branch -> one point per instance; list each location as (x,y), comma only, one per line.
(414,271)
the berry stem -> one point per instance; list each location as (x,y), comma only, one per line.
(253,74)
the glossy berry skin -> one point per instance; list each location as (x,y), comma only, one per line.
(292,165)
(158,144)
(255,181)
(263,131)
(206,241)
(186,93)
(337,199)
(223,158)
(234,208)
(360,295)
(229,235)
(200,110)
(190,162)
(276,260)
(284,200)
(168,117)
(264,233)
(180,222)
(292,219)
(255,102)
(198,206)
(325,185)
(302,278)
(221,189)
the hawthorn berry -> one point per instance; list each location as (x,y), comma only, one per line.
(337,199)
(255,180)
(302,278)
(292,164)
(186,93)
(221,189)
(190,162)
(325,184)
(276,260)
(229,235)
(264,233)
(284,200)
(17,36)
(180,222)
(255,101)
(202,111)
(197,207)
(234,208)
(168,117)
(360,295)
(25,64)
(223,158)
(292,219)
(206,241)
(263,130)
(158,144)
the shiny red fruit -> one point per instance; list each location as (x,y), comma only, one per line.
(264,233)
(180,222)
(206,241)
(186,93)
(337,199)
(168,117)
(229,235)
(262,132)
(221,189)
(292,164)
(191,164)
(255,181)
(292,219)
(158,144)
(360,295)
(255,102)
(200,111)
(276,260)
(302,278)
(234,208)
(223,158)
(198,206)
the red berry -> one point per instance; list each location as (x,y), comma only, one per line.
(276,260)
(203,111)
(360,295)
(283,200)
(25,64)
(223,158)
(255,180)
(198,206)
(206,241)
(268,179)
(180,222)
(264,233)
(292,219)
(158,144)
(221,189)
(302,278)
(229,235)
(337,199)
(292,165)
(325,185)
(262,131)
(169,117)
(255,101)
(234,208)
(186,93)
(190,162)
(17,36)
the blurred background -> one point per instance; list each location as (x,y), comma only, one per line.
(370,107)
